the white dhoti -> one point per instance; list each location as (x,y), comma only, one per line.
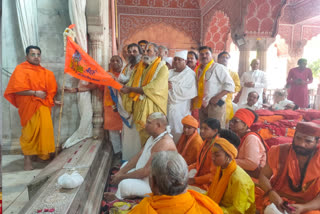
(131,144)
(272,209)
(138,187)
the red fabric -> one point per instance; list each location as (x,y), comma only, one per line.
(299,93)
(264,112)
(278,140)
(289,114)
(308,128)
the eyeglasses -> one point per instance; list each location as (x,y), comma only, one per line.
(34,54)
(235,121)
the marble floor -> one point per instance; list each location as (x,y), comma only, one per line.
(15,181)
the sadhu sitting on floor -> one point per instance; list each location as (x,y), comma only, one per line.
(252,150)
(291,177)
(201,172)
(232,188)
(168,181)
(133,176)
(190,142)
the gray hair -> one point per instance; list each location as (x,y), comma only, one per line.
(159,116)
(164,48)
(169,172)
(155,46)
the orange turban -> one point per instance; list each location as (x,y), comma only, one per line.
(308,128)
(227,147)
(245,116)
(190,121)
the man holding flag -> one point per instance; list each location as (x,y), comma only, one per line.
(31,89)
(147,90)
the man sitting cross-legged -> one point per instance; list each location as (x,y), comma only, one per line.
(133,176)
(291,177)
(168,181)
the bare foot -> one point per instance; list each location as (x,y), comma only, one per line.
(27,163)
(109,196)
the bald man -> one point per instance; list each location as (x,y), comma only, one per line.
(133,176)
(254,80)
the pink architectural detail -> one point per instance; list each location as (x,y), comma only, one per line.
(131,25)
(217,33)
(161,3)
(262,17)
(309,32)
(285,31)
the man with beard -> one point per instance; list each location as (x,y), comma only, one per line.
(134,53)
(214,83)
(148,92)
(130,137)
(291,177)
(163,52)
(192,60)
(182,88)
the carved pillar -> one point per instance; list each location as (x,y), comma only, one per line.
(95,51)
(262,48)
(244,64)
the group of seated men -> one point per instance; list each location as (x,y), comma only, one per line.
(232,170)
(235,171)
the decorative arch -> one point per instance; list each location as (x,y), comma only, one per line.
(263,16)
(216,35)
(163,28)
(163,34)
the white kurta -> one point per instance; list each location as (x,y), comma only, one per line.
(184,88)
(260,80)
(282,104)
(131,144)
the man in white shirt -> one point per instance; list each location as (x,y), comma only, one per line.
(214,83)
(182,88)
(254,80)
(252,99)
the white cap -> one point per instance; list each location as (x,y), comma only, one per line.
(168,60)
(181,54)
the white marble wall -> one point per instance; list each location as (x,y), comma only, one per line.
(53,18)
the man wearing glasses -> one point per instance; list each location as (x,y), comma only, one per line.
(31,89)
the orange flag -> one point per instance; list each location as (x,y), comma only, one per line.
(81,66)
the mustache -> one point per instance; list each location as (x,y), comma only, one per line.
(302,151)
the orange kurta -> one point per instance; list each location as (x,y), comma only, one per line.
(30,77)
(37,133)
(204,166)
(189,148)
(189,202)
(280,180)
(112,119)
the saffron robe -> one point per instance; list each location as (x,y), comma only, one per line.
(281,175)
(189,148)
(239,195)
(189,202)
(299,93)
(204,166)
(37,134)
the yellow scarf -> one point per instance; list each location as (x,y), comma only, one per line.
(219,185)
(148,77)
(137,77)
(198,100)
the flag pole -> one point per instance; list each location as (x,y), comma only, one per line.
(68,32)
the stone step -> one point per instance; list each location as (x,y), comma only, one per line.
(92,159)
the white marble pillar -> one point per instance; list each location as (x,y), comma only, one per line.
(95,51)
